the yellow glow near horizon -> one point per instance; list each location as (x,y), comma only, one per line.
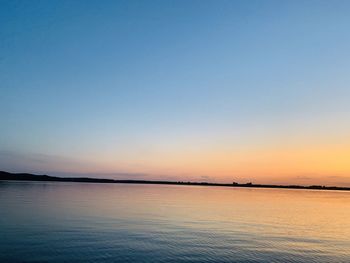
(288,164)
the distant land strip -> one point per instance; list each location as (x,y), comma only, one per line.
(5,176)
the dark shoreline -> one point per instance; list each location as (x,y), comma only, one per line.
(5,176)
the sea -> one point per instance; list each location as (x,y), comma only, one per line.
(97,222)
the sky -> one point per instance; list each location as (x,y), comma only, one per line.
(217,91)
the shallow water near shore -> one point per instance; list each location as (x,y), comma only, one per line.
(88,222)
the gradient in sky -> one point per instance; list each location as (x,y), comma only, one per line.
(217,91)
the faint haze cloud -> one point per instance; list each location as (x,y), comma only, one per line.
(303,177)
(340,180)
(321,179)
(205,177)
(335,176)
(53,165)
(114,175)
(37,163)
(185,177)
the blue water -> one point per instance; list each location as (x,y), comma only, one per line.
(82,222)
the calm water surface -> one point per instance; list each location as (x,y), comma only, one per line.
(81,222)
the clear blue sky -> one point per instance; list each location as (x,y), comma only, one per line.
(131,86)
